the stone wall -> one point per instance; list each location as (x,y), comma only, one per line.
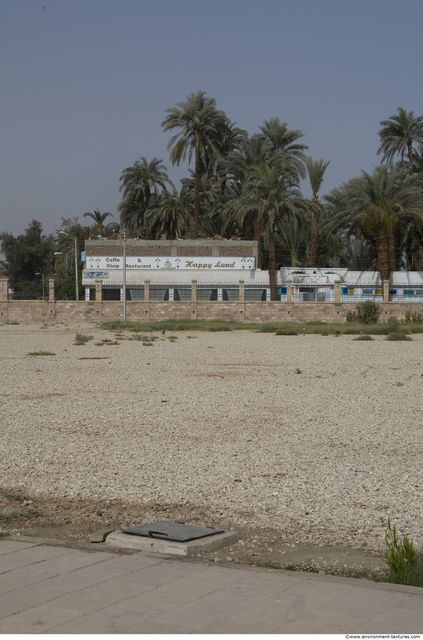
(91,311)
(103,247)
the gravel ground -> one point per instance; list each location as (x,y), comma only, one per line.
(315,438)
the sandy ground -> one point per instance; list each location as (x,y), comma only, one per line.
(304,443)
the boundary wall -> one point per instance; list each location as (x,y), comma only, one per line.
(102,311)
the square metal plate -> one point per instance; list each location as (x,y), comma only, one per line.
(175,531)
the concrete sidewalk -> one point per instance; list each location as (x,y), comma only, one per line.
(49,588)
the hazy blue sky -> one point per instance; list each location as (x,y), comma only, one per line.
(85,84)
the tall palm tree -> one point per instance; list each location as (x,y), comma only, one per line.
(377,202)
(98,218)
(252,151)
(270,195)
(168,214)
(284,146)
(199,123)
(398,135)
(315,171)
(139,183)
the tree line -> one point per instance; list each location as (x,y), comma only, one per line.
(249,187)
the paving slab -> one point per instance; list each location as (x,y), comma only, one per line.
(58,590)
(8,546)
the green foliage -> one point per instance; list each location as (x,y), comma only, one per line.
(80,339)
(393,324)
(406,565)
(27,255)
(415,328)
(286,332)
(367,312)
(414,316)
(41,353)
(397,336)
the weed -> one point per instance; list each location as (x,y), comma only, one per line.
(11,322)
(80,339)
(286,332)
(41,353)
(147,344)
(405,563)
(365,337)
(172,338)
(298,370)
(27,514)
(396,336)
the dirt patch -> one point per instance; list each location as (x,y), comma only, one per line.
(73,520)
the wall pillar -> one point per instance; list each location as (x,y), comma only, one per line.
(98,290)
(289,289)
(386,291)
(4,289)
(337,290)
(241,290)
(51,290)
(146,290)
(193,290)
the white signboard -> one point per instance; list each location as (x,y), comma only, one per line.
(182,263)
(98,275)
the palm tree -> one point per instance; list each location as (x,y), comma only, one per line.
(269,195)
(315,170)
(377,202)
(98,217)
(199,122)
(398,135)
(168,214)
(139,183)
(283,145)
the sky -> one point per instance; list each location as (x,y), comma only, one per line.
(85,85)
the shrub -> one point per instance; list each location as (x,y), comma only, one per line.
(351,316)
(396,336)
(368,312)
(414,316)
(393,324)
(365,337)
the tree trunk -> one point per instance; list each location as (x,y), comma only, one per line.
(392,249)
(197,189)
(257,237)
(313,246)
(410,157)
(147,194)
(383,254)
(272,264)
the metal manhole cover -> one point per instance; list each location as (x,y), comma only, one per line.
(175,531)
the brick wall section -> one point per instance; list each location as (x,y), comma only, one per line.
(242,250)
(194,251)
(170,248)
(91,311)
